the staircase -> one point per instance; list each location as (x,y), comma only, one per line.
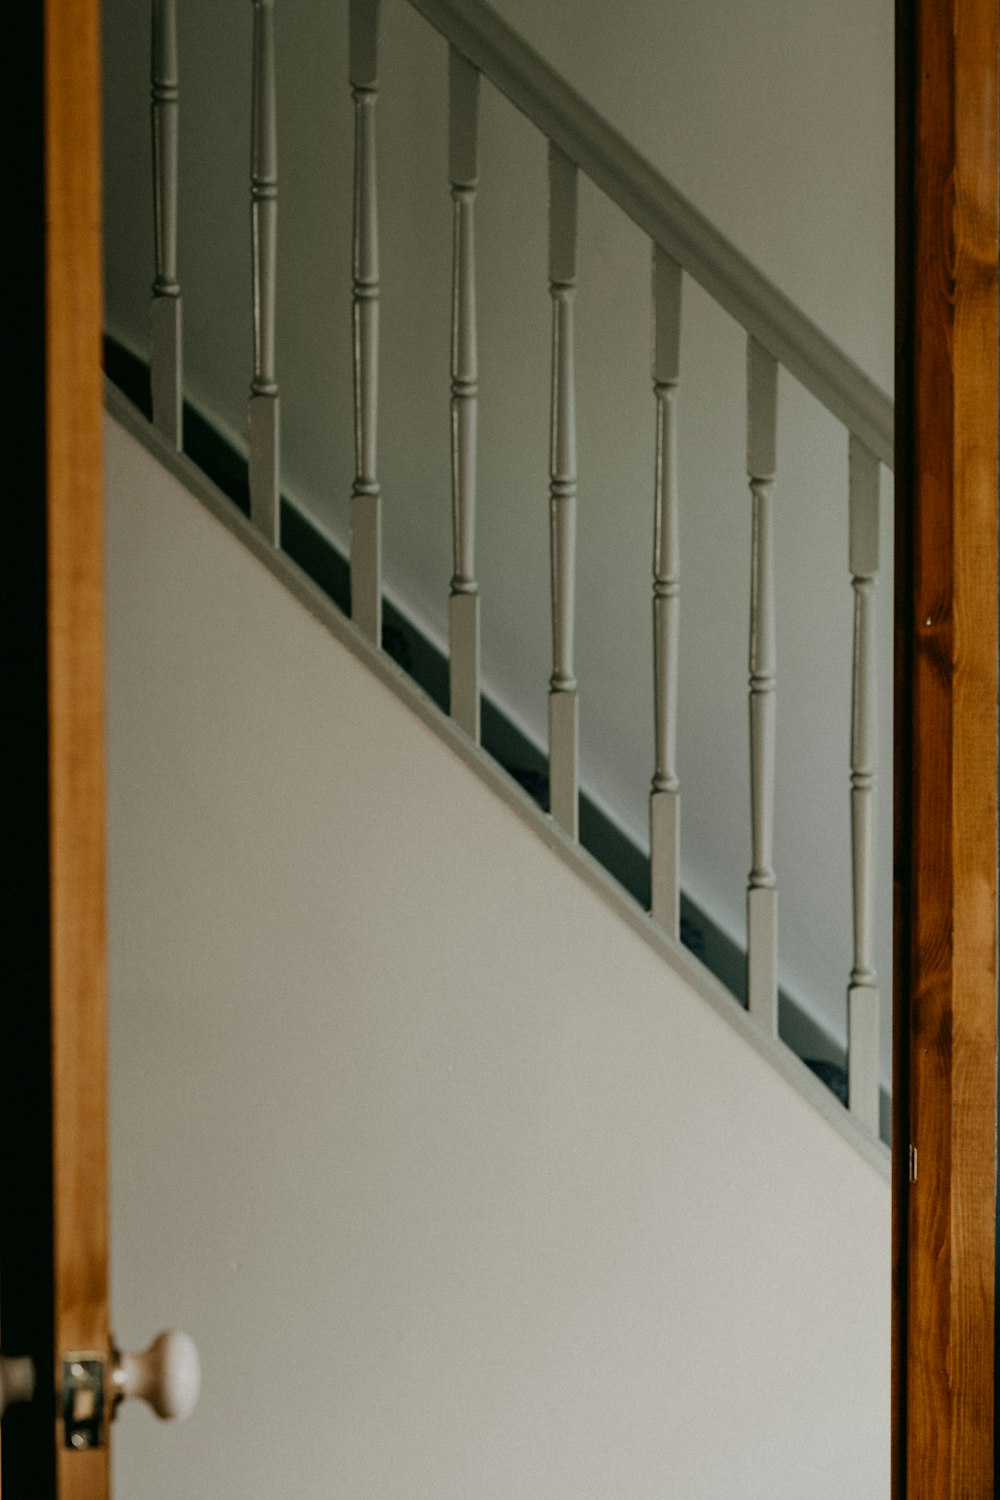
(451,1101)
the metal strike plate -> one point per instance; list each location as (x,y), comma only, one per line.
(83,1395)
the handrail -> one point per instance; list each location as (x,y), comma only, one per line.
(650,201)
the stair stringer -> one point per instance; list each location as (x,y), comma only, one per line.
(510,1188)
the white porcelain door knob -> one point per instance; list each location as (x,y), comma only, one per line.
(17,1380)
(167,1375)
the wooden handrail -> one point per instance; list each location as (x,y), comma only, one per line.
(649,200)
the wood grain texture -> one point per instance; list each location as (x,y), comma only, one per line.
(946,768)
(76,700)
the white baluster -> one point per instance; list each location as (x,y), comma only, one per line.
(862,994)
(762,893)
(664,799)
(265,504)
(165,306)
(563,733)
(463,604)
(366,518)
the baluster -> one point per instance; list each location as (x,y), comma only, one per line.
(664,799)
(762,893)
(265,501)
(463,605)
(165,306)
(862,994)
(366,519)
(563,733)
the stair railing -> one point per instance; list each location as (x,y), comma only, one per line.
(682,243)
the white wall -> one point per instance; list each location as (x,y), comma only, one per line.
(776,119)
(459,1188)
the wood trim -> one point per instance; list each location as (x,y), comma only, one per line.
(73,282)
(946,764)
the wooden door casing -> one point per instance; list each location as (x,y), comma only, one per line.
(75,546)
(54,1247)
(944,1128)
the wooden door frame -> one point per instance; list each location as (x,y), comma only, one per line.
(54,1229)
(944,1113)
(74,391)
(946,765)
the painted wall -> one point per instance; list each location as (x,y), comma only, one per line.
(449,1175)
(776,119)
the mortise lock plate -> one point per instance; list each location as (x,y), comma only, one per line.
(83,1400)
(167,1375)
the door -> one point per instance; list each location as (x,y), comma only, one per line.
(53,1229)
(54,1223)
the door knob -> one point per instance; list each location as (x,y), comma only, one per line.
(167,1375)
(17,1380)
